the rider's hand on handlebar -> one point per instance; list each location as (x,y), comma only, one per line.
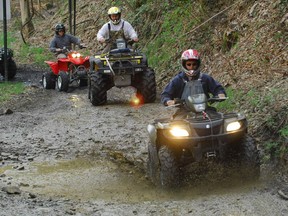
(102,40)
(81,46)
(58,50)
(170,102)
(221,96)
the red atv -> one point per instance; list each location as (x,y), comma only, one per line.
(65,71)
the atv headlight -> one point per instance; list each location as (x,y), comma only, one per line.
(76,55)
(179,132)
(233,126)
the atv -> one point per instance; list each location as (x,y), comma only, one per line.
(195,134)
(121,67)
(72,68)
(12,68)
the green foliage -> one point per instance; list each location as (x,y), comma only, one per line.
(279,35)
(35,54)
(10,39)
(272,149)
(253,97)
(169,40)
(231,104)
(283,4)
(275,150)
(9,89)
(230,40)
(284,132)
(259,100)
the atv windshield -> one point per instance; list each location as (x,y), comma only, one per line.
(194,97)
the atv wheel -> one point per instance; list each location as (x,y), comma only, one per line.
(249,156)
(169,170)
(147,88)
(12,69)
(153,164)
(63,81)
(98,89)
(89,88)
(48,80)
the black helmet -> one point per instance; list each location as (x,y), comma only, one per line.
(59,27)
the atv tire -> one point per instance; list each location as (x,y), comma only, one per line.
(98,89)
(48,80)
(169,169)
(147,89)
(63,81)
(250,160)
(12,69)
(153,164)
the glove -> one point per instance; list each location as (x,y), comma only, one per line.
(102,40)
(81,46)
(58,50)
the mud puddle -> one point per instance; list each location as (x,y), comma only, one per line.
(85,179)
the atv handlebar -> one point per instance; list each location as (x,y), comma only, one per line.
(179,101)
(217,99)
(66,50)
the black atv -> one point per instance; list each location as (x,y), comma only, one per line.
(121,67)
(12,68)
(196,133)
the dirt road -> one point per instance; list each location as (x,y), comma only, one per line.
(62,156)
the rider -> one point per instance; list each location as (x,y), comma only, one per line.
(61,40)
(190,61)
(116,28)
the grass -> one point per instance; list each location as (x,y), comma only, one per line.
(9,89)
(284,132)
(231,104)
(10,39)
(36,55)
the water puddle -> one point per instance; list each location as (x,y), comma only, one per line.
(102,180)
(84,179)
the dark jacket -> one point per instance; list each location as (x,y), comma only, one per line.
(65,41)
(175,87)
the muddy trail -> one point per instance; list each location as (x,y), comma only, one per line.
(62,156)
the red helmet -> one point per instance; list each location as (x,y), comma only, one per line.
(190,54)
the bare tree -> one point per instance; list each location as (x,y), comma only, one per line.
(26,18)
(39,4)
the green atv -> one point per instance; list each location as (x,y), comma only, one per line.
(121,67)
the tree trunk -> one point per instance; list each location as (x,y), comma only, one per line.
(39,4)
(27,24)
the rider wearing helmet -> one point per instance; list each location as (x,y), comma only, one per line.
(61,40)
(190,62)
(116,28)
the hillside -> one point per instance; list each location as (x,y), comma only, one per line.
(243,45)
